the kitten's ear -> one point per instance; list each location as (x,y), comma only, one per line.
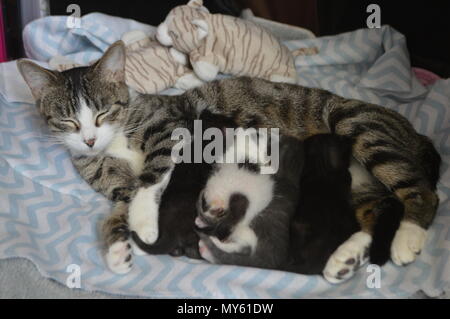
(37,77)
(111,66)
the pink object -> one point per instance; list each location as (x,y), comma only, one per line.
(425,77)
(3,54)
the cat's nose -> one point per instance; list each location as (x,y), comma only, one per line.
(90,142)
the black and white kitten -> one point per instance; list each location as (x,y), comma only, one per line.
(310,220)
(259,238)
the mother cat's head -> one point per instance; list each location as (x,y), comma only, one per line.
(84,106)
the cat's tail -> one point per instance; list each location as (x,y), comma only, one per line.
(390,214)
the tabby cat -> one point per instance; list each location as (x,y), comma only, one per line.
(122,147)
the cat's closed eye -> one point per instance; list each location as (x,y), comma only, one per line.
(100,118)
(109,115)
(71,124)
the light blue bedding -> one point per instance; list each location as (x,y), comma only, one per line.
(49,215)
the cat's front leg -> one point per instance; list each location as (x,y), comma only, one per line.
(116,236)
(144,209)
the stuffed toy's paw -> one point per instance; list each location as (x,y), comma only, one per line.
(61,63)
(151,67)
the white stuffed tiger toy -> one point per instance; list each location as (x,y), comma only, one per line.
(150,67)
(220,43)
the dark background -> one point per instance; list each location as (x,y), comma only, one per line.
(426,24)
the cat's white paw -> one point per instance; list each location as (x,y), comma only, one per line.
(136,250)
(205,70)
(408,243)
(118,257)
(143,215)
(349,256)
(205,252)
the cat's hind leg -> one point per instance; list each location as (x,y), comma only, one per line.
(116,236)
(388,146)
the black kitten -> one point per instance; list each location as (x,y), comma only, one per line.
(178,202)
(324,218)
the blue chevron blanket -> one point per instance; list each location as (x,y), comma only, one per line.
(49,215)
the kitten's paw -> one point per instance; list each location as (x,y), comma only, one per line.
(349,256)
(217,242)
(408,242)
(136,250)
(205,252)
(118,257)
(205,70)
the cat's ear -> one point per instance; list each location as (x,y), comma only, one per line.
(38,78)
(111,66)
(202,28)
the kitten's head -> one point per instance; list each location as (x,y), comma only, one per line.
(83,107)
(327,153)
(231,193)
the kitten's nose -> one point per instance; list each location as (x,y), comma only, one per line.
(90,142)
(217,212)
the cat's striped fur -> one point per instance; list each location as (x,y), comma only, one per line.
(384,142)
(405,162)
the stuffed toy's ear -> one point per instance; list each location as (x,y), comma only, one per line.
(111,66)
(195,3)
(202,28)
(198,4)
(37,77)
(162,34)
